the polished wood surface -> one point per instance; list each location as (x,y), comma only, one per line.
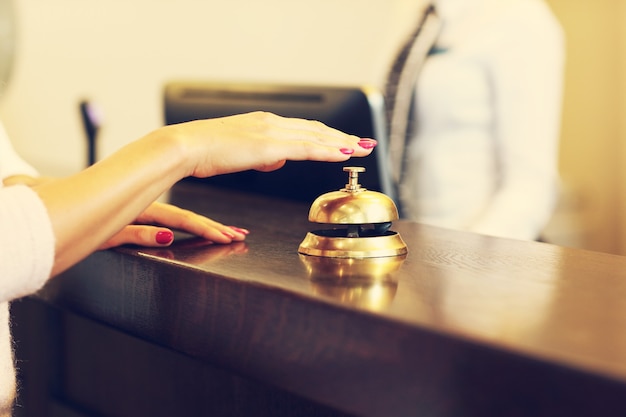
(464,325)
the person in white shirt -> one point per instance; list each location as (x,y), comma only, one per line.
(484,153)
(47,226)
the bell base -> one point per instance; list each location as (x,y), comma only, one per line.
(319,243)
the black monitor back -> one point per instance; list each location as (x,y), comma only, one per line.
(355,110)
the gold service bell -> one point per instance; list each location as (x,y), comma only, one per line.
(360,223)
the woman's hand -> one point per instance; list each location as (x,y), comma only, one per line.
(152,228)
(89,207)
(261,141)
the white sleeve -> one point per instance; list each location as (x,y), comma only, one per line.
(10,162)
(26,242)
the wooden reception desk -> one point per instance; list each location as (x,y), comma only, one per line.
(465,325)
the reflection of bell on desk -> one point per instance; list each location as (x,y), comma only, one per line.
(359,220)
(369,282)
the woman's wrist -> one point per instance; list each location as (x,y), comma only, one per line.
(177,155)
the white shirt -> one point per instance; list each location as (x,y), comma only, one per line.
(484,156)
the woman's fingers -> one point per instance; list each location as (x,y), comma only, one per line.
(315,132)
(263,141)
(157,236)
(170,216)
(152,228)
(299,129)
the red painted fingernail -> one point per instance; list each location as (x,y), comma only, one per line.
(347,151)
(367,143)
(240,230)
(164,237)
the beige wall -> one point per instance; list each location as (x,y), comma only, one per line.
(593,131)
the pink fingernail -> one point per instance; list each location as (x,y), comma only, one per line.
(240,230)
(367,143)
(228,235)
(347,151)
(164,237)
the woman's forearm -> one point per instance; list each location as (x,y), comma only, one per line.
(89,207)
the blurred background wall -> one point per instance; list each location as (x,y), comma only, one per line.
(593,209)
(119,54)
